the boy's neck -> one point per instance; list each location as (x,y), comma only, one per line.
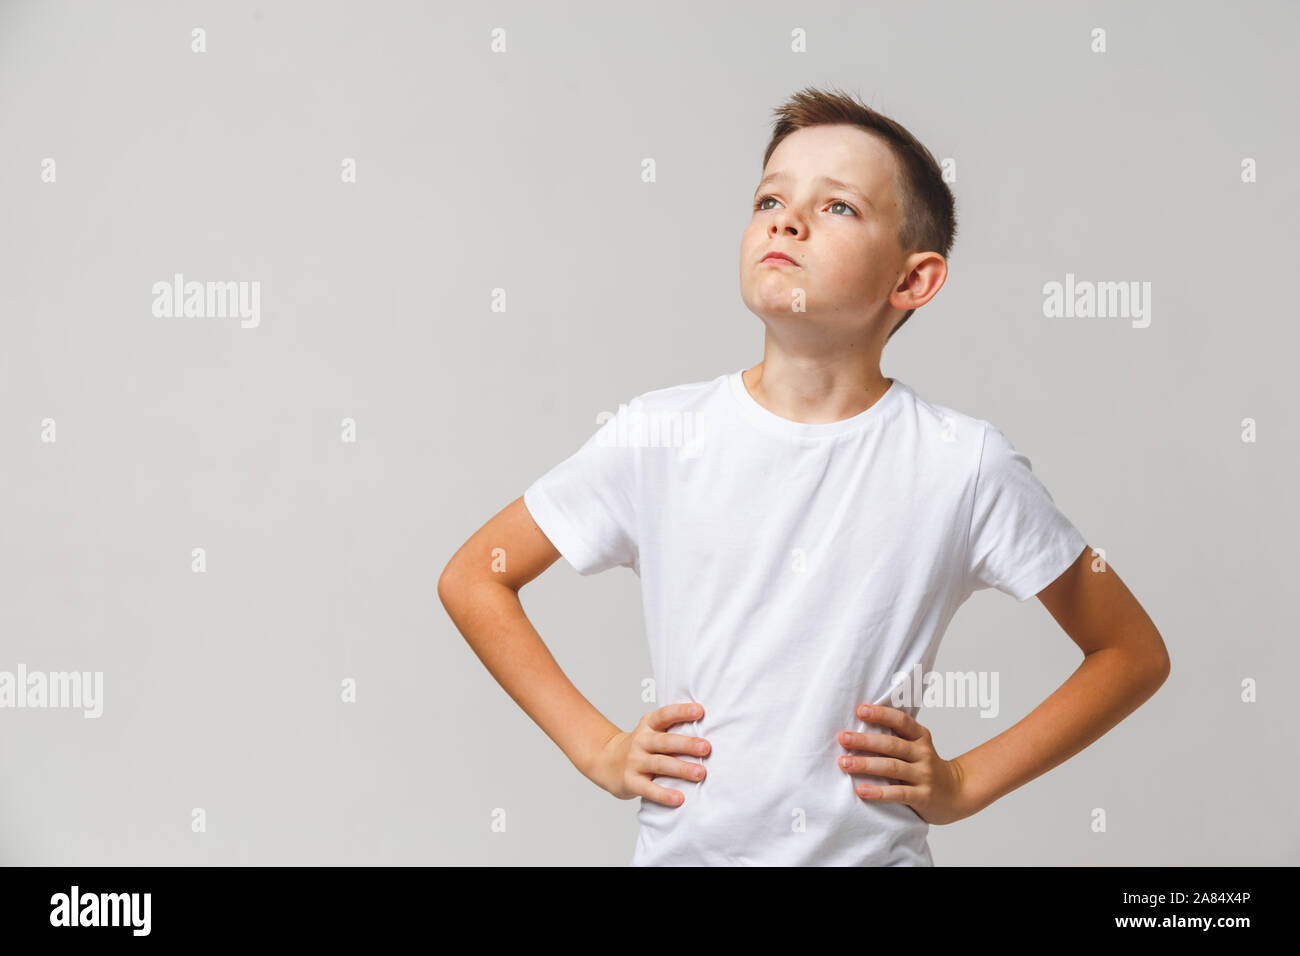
(812,393)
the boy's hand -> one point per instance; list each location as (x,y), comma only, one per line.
(628,760)
(930,785)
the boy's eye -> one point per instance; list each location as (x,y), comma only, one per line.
(758,206)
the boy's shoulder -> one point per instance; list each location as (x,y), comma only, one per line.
(985,447)
(952,424)
(686,392)
(674,399)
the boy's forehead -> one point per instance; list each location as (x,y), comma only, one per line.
(844,155)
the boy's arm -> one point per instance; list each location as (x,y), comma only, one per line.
(1125,662)
(484,605)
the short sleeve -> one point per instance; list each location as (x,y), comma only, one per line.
(587,504)
(1019,540)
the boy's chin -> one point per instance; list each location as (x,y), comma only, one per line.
(778,315)
(832,325)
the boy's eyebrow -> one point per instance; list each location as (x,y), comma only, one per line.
(829,181)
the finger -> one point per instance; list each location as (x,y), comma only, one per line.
(881,744)
(653,792)
(881,767)
(887,794)
(670,714)
(899,720)
(678,744)
(659,765)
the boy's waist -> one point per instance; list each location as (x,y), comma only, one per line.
(777,807)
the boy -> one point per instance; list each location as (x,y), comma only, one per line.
(803,551)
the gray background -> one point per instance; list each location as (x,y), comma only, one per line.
(522,171)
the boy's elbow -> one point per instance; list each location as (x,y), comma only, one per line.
(449,584)
(1159,666)
(1165,667)
(458,583)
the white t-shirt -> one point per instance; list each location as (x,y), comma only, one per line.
(789,571)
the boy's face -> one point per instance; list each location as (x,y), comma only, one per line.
(844,241)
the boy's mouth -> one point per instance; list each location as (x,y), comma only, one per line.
(778,258)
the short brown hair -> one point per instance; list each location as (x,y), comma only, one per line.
(928,214)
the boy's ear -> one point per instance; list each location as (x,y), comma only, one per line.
(924,275)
